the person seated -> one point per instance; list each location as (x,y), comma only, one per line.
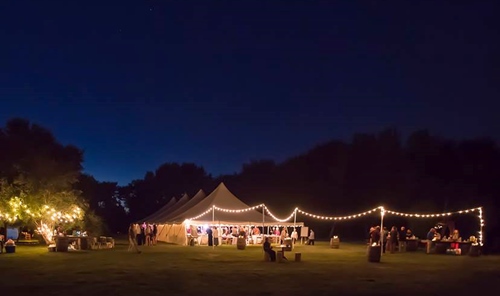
(269,250)
(455,237)
(409,234)
(26,235)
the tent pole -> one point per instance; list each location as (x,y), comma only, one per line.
(481,224)
(263,219)
(294,224)
(295,218)
(213,221)
(382,212)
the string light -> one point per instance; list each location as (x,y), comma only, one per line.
(226,211)
(340,217)
(200,215)
(382,210)
(44,216)
(240,210)
(481,224)
(472,210)
(278,219)
(432,215)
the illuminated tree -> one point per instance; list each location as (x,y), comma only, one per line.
(37,178)
(45,209)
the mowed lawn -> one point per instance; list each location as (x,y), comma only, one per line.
(178,270)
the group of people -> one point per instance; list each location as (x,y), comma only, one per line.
(283,234)
(141,234)
(252,234)
(396,239)
(390,240)
(433,235)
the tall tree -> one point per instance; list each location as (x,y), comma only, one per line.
(38,174)
(105,201)
(145,196)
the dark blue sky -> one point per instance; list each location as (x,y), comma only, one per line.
(136,83)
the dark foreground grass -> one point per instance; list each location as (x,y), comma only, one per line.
(178,270)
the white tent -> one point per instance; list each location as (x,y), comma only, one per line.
(169,204)
(221,197)
(174,231)
(160,216)
(199,196)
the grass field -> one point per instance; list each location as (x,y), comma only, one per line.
(178,270)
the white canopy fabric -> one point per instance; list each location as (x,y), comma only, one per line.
(199,196)
(221,197)
(169,204)
(173,230)
(160,215)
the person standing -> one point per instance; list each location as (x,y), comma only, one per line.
(430,239)
(215,234)
(210,237)
(311,238)
(393,239)
(294,236)
(155,234)
(385,234)
(132,243)
(255,234)
(1,243)
(148,235)
(402,239)
(375,235)
(283,236)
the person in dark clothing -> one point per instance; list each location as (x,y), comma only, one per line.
(1,242)
(375,235)
(393,239)
(268,249)
(210,237)
(143,235)
(155,234)
(402,239)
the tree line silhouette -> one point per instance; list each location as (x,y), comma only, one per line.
(421,172)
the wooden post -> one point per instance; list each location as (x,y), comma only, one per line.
(382,212)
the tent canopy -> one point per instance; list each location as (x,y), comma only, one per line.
(221,197)
(199,196)
(168,205)
(161,214)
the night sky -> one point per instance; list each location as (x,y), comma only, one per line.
(137,83)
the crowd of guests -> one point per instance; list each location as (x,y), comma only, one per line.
(251,234)
(394,239)
(142,234)
(146,234)
(434,236)
(390,240)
